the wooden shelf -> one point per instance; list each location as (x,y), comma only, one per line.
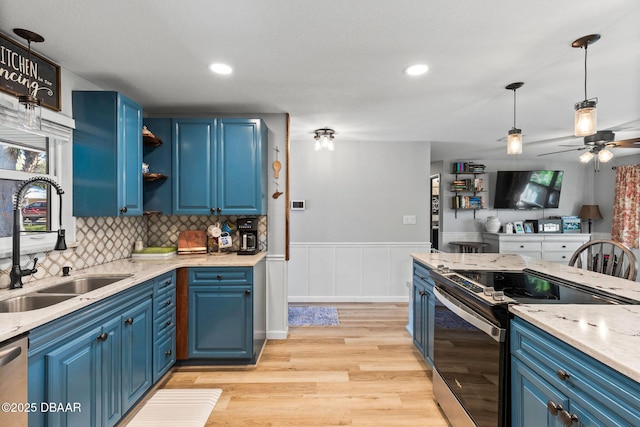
(153,176)
(151,141)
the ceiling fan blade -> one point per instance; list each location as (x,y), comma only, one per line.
(628,143)
(563,151)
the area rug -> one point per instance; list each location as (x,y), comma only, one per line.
(177,407)
(313,316)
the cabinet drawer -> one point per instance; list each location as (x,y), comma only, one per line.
(587,380)
(164,355)
(562,257)
(220,276)
(561,246)
(422,274)
(519,247)
(164,302)
(163,283)
(164,323)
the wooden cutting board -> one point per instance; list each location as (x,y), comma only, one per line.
(192,242)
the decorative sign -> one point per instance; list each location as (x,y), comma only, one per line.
(16,68)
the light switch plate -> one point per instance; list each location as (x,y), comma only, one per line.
(409,219)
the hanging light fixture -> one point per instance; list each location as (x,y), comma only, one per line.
(29,109)
(324,139)
(514,138)
(585,118)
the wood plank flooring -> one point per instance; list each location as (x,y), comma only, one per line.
(365,372)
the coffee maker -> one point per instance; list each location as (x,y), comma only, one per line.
(248,228)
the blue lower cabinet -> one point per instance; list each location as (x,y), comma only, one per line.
(84,371)
(221,322)
(99,360)
(137,360)
(423,311)
(555,384)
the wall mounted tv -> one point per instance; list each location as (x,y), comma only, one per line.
(539,189)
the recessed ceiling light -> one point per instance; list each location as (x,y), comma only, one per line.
(416,70)
(219,68)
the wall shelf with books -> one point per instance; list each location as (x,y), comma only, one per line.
(467,186)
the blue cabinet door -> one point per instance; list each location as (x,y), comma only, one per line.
(241,162)
(137,359)
(74,375)
(194,160)
(532,397)
(107,154)
(111,387)
(130,156)
(220,322)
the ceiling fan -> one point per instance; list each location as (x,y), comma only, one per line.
(598,145)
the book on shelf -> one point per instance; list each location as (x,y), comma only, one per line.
(467,167)
(468,202)
(467,185)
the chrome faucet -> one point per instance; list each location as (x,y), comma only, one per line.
(17,272)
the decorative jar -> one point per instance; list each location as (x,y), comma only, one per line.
(492,224)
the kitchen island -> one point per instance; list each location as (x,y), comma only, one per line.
(608,333)
(560,343)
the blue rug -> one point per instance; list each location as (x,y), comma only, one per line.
(313,316)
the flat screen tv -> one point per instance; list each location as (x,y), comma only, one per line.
(539,189)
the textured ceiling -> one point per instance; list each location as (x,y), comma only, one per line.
(340,63)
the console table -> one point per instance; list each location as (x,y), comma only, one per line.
(557,247)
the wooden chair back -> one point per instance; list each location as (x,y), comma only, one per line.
(606,257)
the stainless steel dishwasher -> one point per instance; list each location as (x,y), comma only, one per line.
(13,382)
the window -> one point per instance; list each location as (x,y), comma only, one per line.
(23,156)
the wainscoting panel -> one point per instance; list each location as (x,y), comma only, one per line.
(351,272)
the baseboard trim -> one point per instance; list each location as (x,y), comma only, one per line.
(277,335)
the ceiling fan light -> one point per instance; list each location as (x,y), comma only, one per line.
(585,118)
(514,141)
(605,155)
(586,157)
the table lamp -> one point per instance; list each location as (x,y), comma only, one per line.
(590,212)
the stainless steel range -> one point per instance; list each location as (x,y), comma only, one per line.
(471,336)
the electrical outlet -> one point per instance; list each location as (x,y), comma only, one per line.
(409,219)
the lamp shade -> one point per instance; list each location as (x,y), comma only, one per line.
(590,212)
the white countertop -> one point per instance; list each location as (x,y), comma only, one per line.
(608,333)
(141,270)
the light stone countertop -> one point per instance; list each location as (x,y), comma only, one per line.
(608,333)
(141,270)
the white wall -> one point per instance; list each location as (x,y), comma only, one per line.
(350,244)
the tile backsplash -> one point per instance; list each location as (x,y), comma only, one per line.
(105,239)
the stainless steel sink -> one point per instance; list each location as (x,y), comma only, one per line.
(83,285)
(31,302)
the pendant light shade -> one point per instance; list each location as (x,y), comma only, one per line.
(586,157)
(514,137)
(605,155)
(514,142)
(29,109)
(585,122)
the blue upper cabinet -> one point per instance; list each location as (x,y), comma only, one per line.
(242,162)
(107,154)
(194,160)
(219,166)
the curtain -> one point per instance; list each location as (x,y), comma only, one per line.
(626,206)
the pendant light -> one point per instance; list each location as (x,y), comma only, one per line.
(514,138)
(585,118)
(29,109)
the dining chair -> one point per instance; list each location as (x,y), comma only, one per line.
(606,257)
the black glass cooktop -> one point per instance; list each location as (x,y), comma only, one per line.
(531,287)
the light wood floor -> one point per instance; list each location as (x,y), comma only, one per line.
(365,372)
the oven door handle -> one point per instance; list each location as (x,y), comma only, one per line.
(498,334)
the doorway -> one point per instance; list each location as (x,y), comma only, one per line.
(435,210)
